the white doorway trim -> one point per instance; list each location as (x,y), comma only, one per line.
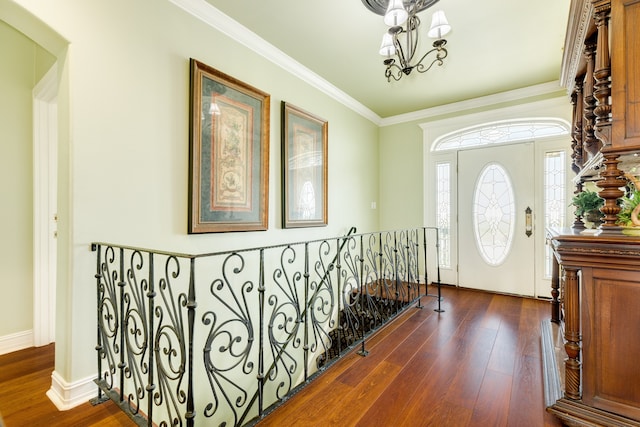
(45,173)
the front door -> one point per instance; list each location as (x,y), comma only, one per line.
(495,230)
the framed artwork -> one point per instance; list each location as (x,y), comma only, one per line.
(228,153)
(304,168)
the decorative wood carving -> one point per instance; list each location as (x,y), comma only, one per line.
(612,180)
(576,131)
(572,333)
(555,290)
(578,224)
(607,124)
(579,26)
(599,289)
(591,144)
(595,301)
(602,74)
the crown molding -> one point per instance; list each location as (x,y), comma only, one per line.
(543,89)
(239,33)
(213,17)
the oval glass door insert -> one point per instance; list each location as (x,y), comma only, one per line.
(494,214)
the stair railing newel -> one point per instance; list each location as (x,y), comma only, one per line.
(176,348)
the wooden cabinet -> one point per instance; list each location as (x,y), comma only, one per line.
(594,378)
(591,346)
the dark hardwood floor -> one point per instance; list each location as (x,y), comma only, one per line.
(25,377)
(477,364)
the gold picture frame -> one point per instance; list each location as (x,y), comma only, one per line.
(228,153)
(304,168)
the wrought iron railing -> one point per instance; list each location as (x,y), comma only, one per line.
(223,338)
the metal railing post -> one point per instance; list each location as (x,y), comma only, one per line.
(417,273)
(150,340)
(305,318)
(340,292)
(261,290)
(396,267)
(407,266)
(363,298)
(99,345)
(121,326)
(191,314)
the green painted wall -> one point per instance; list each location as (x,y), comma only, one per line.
(401,179)
(123,107)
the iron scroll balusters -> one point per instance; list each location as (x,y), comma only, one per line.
(228,341)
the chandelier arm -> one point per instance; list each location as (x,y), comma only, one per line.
(440,55)
(412,37)
(388,72)
(399,51)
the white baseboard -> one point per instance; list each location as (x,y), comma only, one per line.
(69,395)
(15,342)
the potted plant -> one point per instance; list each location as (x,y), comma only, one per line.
(630,204)
(588,204)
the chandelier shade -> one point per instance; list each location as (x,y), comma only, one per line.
(439,25)
(387,48)
(380,7)
(396,14)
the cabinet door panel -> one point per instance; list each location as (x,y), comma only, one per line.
(625,73)
(611,372)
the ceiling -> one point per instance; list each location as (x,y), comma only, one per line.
(494,46)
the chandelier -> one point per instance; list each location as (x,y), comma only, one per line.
(400,42)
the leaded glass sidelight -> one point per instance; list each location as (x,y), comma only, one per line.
(494,214)
(554,197)
(443,212)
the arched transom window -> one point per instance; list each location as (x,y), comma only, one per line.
(501,132)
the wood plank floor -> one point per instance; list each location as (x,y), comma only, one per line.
(25,377)
(477,364)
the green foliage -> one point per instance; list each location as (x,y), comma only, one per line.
(587,201)
(627,205)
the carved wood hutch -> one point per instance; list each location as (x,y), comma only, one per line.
(591,347)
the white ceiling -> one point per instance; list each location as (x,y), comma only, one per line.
(494,46)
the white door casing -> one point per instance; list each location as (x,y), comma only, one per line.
(45,171)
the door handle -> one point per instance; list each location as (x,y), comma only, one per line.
(528,222)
